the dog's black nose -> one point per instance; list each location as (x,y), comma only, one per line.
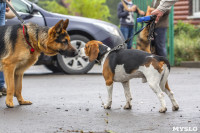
(69,53)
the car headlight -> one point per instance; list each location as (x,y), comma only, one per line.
(108,28)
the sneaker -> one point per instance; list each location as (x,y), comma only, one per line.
(1,94)
(3,91)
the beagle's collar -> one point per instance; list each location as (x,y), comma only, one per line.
(100,56)
(103,50)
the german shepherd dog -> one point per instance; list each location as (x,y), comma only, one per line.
(142,41)
(15,56)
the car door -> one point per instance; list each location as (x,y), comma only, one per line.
(23,8)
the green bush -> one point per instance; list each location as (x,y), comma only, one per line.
(186,42)
(191,30)
(96,9)
(90,8)
(53,6)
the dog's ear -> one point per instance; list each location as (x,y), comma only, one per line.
(58,27)
(65,25)
(94,51)
(149,10)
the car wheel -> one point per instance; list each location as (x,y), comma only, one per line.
(78,64)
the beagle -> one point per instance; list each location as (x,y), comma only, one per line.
(121,65)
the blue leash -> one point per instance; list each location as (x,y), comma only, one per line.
(127,40)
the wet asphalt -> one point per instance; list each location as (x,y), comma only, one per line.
(73,103)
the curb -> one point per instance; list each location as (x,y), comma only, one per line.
(191,64)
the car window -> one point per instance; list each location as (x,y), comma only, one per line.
(20,6)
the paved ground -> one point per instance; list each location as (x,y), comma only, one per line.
(72,103)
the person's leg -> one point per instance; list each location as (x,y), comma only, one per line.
(2,13)
(130,35)
(124,30)
(1,82)
(2,22)
(160,41)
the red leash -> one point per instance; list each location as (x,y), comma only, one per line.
(32,49)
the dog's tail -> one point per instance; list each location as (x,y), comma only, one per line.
(162,58)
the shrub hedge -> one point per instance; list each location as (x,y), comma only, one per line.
(186,42)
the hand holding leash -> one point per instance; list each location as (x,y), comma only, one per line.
(157,13)
(22,21)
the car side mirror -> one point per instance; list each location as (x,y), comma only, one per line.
(32,9)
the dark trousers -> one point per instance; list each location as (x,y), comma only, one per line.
(160,41)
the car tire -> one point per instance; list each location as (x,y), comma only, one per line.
(78,64)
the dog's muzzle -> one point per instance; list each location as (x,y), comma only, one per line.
(82,52)
(69,53)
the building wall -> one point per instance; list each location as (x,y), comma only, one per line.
(183,10)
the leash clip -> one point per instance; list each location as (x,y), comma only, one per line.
(120,46)
(99,62)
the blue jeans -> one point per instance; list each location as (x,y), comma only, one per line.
(160,41)
(127,32)
(2,13)
(2,22)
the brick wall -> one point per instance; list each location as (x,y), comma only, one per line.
(183,11)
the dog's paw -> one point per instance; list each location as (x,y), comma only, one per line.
(163,110)
(175,108)
(107,106)
(128,106)
(9,104)
(25,102)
